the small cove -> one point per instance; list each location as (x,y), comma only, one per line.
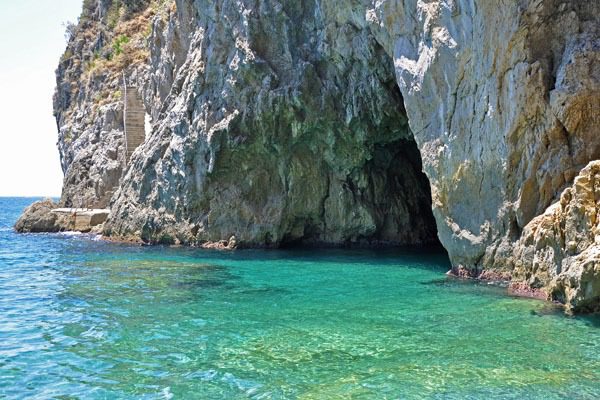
(82,318)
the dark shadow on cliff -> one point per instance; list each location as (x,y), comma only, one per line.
(392,187)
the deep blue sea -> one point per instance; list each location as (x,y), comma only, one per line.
(83,318)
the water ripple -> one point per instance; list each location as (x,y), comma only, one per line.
(82,318)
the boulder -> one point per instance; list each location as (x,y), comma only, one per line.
(39,217)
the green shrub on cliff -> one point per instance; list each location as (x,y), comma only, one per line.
(66,55)
(118,44)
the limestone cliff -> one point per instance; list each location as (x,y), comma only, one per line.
(284,122)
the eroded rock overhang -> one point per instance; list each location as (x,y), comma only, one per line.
(300,139)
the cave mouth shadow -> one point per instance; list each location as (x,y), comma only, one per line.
(393,189)
(371,190)
(403,203)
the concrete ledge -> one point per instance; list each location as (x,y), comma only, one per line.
(83,219)
(45,216)
(86,211)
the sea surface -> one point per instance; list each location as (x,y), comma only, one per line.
(82,318)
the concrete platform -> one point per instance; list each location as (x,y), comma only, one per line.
(82,219)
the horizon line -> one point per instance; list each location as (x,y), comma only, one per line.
(29,196)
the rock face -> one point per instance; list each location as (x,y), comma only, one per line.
(559,251)
(39,218)
(286,122)
(506,121)
(88,102)
(504,100)
(277,143)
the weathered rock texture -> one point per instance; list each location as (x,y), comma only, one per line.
(109,39)
(45,216)
(286,122)
(38,218)
(82,219)
(559,250)
(504,98)
(273,141)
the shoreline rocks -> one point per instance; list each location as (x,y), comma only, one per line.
(230,244)
(504,279)
(46,216)
(559,250)
(38,218)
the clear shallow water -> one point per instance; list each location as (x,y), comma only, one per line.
(81,318)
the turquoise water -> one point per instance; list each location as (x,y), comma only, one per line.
(81,318)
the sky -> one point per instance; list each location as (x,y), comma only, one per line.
(31,43)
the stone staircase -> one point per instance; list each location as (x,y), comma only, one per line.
(134,115)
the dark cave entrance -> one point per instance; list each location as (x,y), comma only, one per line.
(393,190)
(400,195)
(380,197)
